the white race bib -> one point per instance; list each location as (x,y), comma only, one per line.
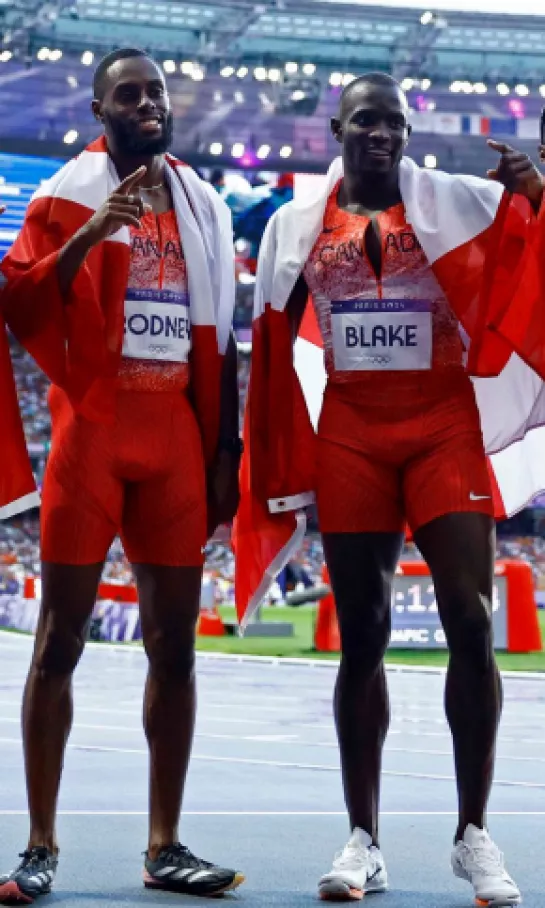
(157,325)
(390,335)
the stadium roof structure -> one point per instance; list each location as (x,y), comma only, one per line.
(260,73)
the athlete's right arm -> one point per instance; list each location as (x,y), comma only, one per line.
(121,209)
(296,305)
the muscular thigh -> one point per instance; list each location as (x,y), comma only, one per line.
(82,497)
(361,568)
(164,516)
(449,474)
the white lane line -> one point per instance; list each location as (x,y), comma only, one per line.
(16,640)
(290,739)
(277,764)
(275,813)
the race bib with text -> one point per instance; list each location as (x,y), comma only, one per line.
(157,325)
(381,335)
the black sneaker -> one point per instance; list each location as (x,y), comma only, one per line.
(32,878)
(177,870)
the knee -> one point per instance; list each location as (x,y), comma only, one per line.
(58,650)
(364,643)
(469,629)
(171,657)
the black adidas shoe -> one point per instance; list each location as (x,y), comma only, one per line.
(32,878)
(177,870)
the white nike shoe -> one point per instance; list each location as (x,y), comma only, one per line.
(479,861)
(357,869)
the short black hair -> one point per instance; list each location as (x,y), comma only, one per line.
(99,78)
(373,78)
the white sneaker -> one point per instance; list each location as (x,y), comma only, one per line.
(479,861)
(357,869)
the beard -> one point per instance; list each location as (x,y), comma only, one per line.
(130,140)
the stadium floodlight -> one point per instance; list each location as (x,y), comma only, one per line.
(169,66)
(5,56)
(285,151)
(227,71)
(347,79)
(407,84)
(237,150)
(542,91)
(55,55)
(425,84)
(336,79)
(242,72)
(502,88)
(43,53)
(467,87)
(292,68)
(426,18)
(309,69)
(216,148)
(218,97)
(260,73)
(522,90)
(430,161)
(239,97)
(87,57)
(197,73)
(186,67)
(455,87)
(263,152)
(274,74)
(480,88)
(70,137)
(298,95)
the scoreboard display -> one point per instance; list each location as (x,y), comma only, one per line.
(415,618)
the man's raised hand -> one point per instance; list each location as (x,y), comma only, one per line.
(517,173)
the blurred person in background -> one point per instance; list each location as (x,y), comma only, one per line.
(393,259)
(121,285)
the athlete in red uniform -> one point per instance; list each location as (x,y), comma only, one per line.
(399,440)
(142,474)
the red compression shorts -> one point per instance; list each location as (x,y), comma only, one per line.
(142,477)
(385,460)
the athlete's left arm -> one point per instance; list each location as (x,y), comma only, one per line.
(516,171)
(223,486)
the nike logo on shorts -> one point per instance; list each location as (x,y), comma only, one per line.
(473,497)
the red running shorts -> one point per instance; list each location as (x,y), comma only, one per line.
(385,460)
(142,478)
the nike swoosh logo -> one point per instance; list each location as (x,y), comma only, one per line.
(373,875)
(473,497)
(331,229)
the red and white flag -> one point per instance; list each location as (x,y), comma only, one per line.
(78,341)
(17,487)
(478,240)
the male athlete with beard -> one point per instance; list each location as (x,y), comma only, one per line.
(398,440)
(119,305)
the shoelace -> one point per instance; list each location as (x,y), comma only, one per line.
(178,850)
(353,857)
(35,856)
(487,859)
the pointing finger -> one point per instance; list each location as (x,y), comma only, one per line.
(499,146)
(132,180)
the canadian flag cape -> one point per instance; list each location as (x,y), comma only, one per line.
(483,245)
(77,341)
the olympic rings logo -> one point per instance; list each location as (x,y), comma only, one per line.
(378,360)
